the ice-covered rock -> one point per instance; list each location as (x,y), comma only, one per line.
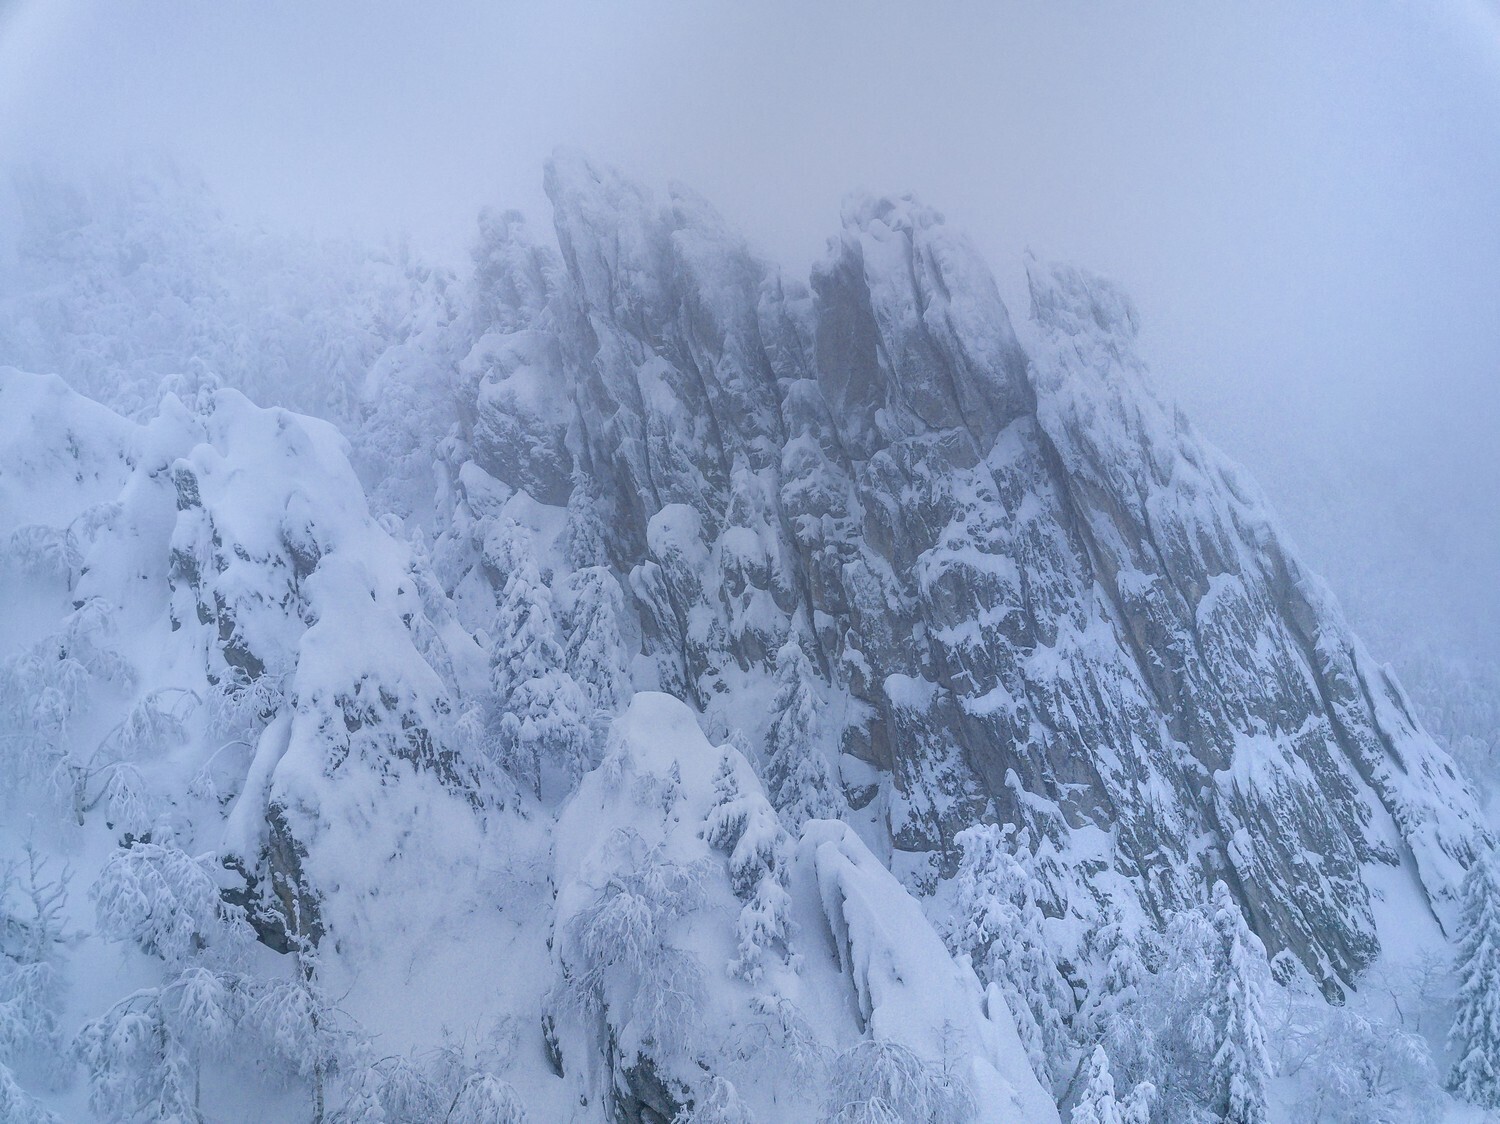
(1035,593)
(645,926)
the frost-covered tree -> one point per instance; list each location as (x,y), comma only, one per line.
(1475,1036)
(750,576)
(798,778)
(780,1037)
(405,1090)
(998,922)
(1356,1070)
(167,903)
(32,937)
(718,1103)
(1100,1103)
(362,1103)
(45,687)
(742,824)
(594,654)
(526,635)
(543,737)
(298,1029)
(43,551)
(17,1106)
(883,1082)
(1097,1103)
(426,625)
(144,1054)
(485,1099)
(1112,1017)
(587,537)
(622,971)
(1240,1067)
(1196,1027)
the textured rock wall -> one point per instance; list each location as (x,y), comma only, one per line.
(1036,594)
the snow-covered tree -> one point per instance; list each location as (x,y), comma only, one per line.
(45,687)
(998,922)
(17,1106)
(404,1089)
(32,936)
(718,1103)
(1195,1028)
(623,973)
(743,825)
(1112,1016)
(543,737)
(167,903)
(1241,1067)
(526,635)
(882,1082)
(586,533)
(1355,1070)
(798,778)
(1097,1103)
(485,1099)
(1475,1035)
(594,654)
(781,1038)
(44,551)
(362,1104)
(144,1054)
(298,1029)
(1100,1103)
(750,575)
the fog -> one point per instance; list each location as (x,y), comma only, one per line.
(1301,198)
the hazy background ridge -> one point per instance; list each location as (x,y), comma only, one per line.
(1301,198)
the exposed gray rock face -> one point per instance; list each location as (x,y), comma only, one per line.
(1035,593)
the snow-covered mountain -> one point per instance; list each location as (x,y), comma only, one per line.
(678,693)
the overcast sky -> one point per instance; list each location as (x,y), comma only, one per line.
(1301,197)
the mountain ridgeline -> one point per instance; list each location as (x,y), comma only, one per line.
(1035,594)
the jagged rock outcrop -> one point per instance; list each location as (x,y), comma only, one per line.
(901,567)
(1037,595)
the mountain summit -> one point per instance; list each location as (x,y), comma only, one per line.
(660,690)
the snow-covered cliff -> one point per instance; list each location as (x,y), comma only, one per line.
(679,693)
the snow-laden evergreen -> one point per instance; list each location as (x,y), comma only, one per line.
(541,714)
(798,779)
(1475,1036)
(1099,1104)
(999,923)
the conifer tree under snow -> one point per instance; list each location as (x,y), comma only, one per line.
(798,778)
(998,922)
(1476,1027)
(1241,1067)
(541,712)
(1097,1103)
(594,654)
